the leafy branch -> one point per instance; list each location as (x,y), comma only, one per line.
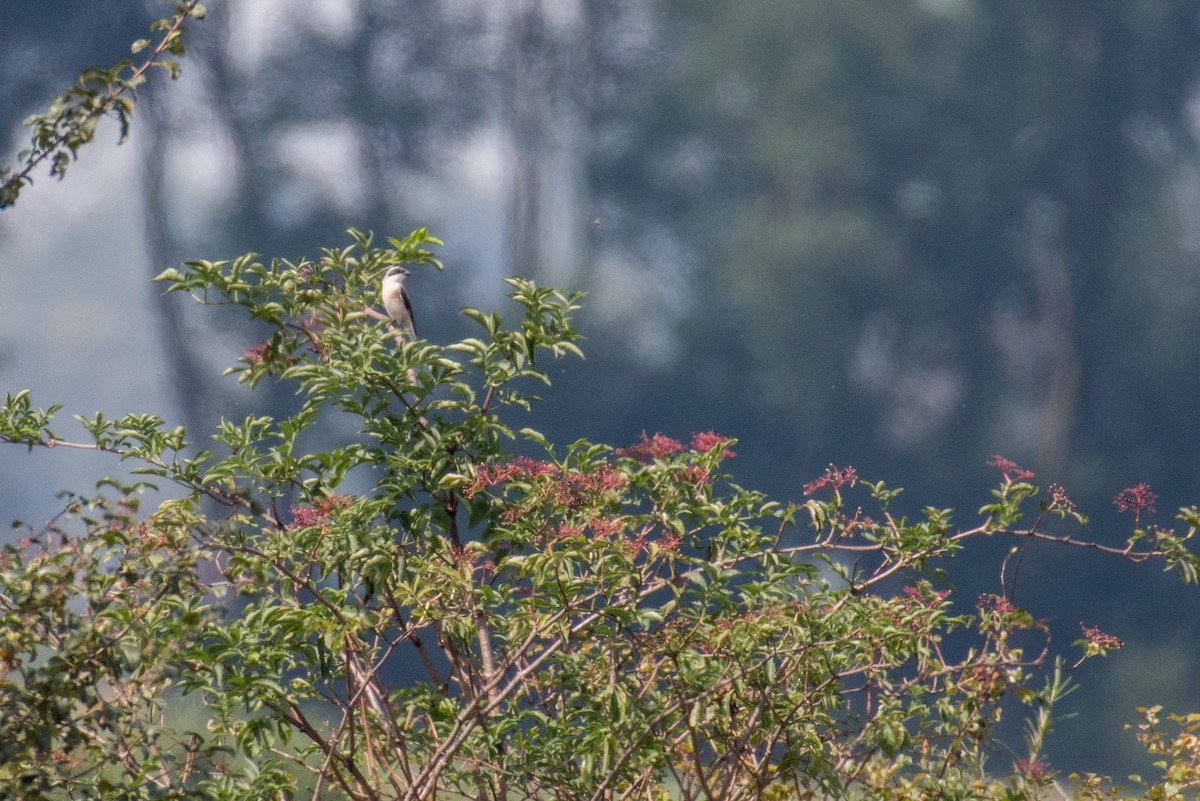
(72,119)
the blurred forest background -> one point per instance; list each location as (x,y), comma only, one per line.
(902,236)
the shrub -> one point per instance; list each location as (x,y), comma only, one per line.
(394,592)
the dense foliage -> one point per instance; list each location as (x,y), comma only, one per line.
(397,592)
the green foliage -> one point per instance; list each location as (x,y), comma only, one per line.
(72,119)
(398,592)
(92,629)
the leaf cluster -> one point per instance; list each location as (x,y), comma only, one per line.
(73,117)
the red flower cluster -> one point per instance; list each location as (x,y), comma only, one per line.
(833,478)
(1010,469)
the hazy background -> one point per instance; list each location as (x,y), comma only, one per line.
(902,236)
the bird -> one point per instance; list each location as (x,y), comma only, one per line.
(395,301)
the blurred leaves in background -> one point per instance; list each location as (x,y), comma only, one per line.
(904,236)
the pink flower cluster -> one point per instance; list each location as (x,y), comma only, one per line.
(1098,638)
(659,446)
(1010,469)
(918,596)
(571,488)
(994,603)
(575,489)
(833,478)
(1059,499)
(707,441)
(650,448)
(489,475)
(255,354)
(318,513)
(1137,498)
(1035,771)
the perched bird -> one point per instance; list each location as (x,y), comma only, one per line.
(395,301)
